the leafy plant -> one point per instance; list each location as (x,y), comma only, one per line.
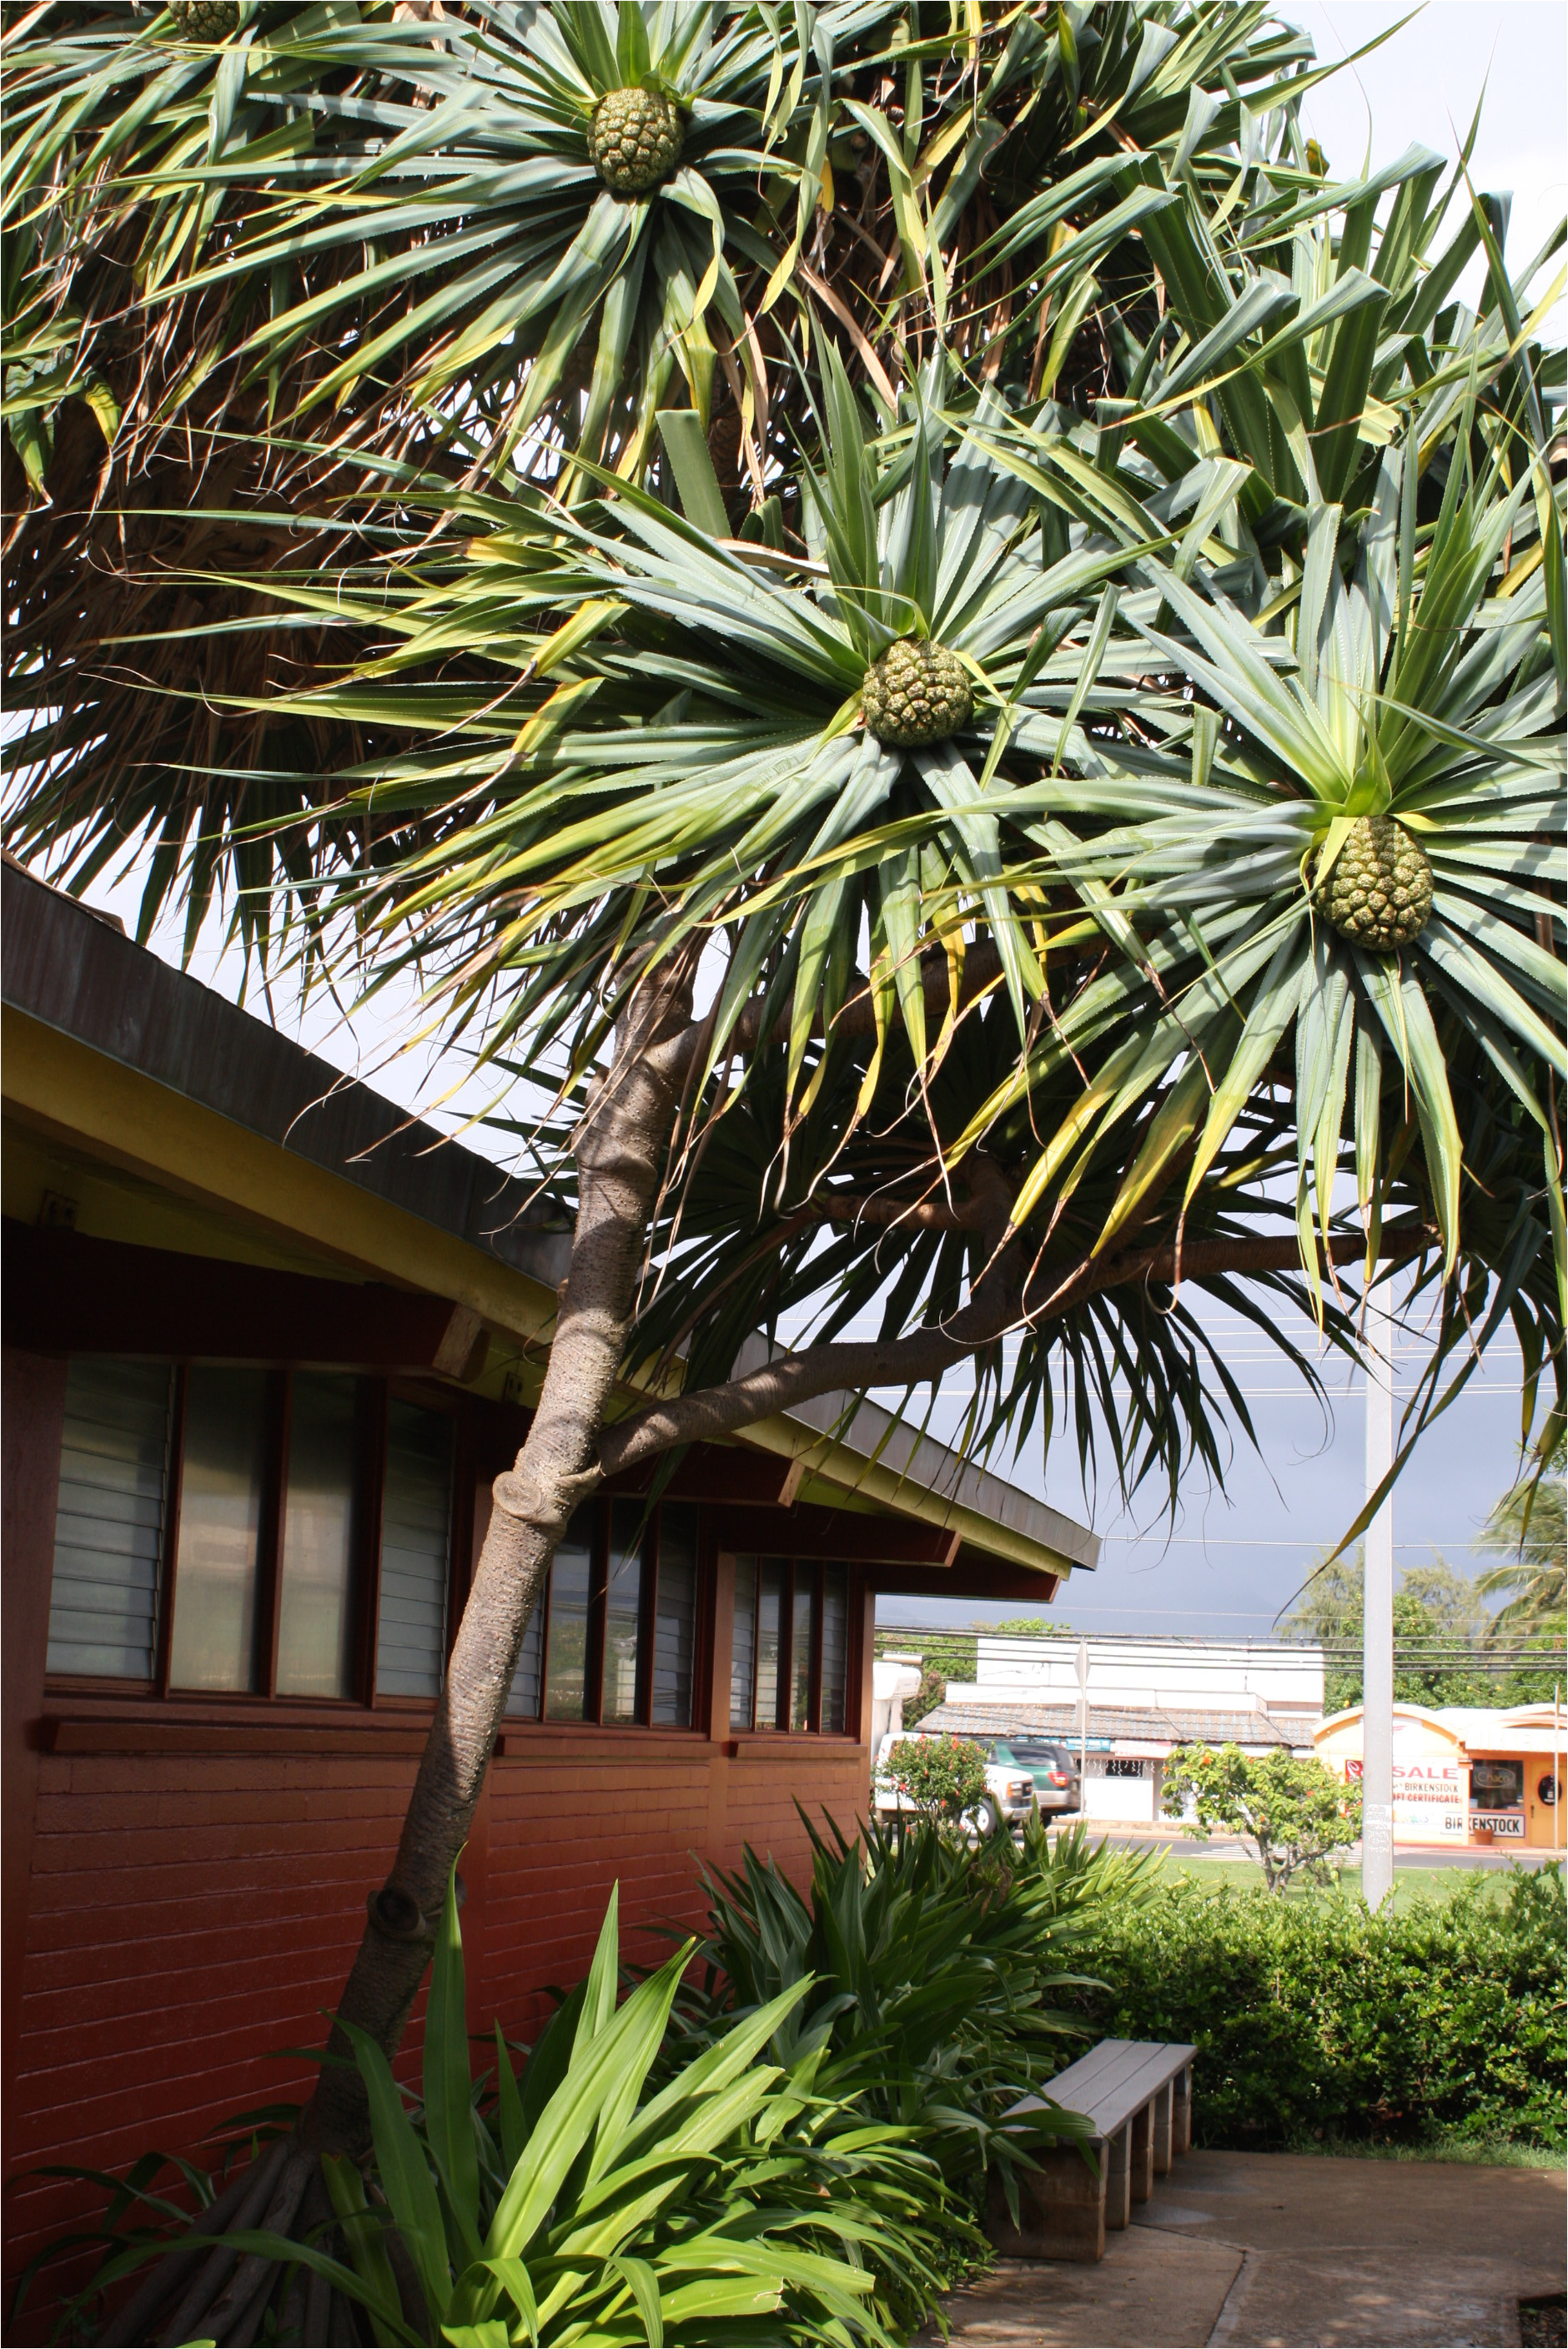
(940,1974)
(1292,1810)
(942,1777)
(1316,2019)
(1530,1528)
(564,2203)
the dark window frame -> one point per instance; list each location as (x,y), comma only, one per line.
(809,1574)
(373,1397)
(592,1717)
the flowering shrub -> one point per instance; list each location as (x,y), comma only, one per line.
(942,1776)
(1294,1812)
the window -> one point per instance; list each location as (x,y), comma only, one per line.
(315,1593)
(623,1612)
(790,1656)
(771,1576)
(1496,1785)
(213,1529)
(415,1538)
(743,1650)
(108,1531)
(614,1636)
(674,1618)
(216,1568)
(835,1647)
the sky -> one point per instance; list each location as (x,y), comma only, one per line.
(1233,1561)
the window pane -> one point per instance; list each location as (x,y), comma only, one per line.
(108,1528)
(525,1697)
(565,1679)
(315,1612)
(800,1648)
(770,1574)
(835,1647)
(743,1644)
(214,1642)
(416,1538)
(623,1610)
(675,1620)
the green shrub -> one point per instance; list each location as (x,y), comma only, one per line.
(942,1776)
(1317,2018)
(945,1982)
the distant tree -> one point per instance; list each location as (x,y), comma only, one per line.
(1295,1813)
(1434,1606)
(1529,1528)
(942,1776)
(1028,1626)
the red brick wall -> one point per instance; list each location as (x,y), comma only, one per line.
(189,1913)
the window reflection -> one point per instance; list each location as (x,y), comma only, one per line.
(415,1540)
(800,1650)
(743,1645)
(622,1611)
(675,1621)
(566,1673)
(315,1613)
(769,1640)
(835,1647)
(214,1644)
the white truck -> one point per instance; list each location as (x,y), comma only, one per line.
(1011,1787)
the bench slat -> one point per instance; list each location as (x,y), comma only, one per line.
(1108,2112)
(1104,2079)
(1103,2069)
(1113,2081)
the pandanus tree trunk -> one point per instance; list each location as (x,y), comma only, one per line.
(622,1149)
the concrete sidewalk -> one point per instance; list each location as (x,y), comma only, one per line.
(1290,2252)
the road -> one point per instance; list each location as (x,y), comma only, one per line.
(1527,1856)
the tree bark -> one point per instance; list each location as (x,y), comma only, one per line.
(621,1150)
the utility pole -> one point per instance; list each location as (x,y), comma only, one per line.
(1083,1727)
(1377,1615)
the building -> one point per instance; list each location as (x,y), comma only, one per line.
(267,1343)
(1145,1697)
(1481,1777)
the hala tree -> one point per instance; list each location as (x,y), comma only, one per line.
(990,572)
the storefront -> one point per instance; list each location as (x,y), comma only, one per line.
(1469,1776)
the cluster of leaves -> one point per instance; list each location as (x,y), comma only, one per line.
(1530,1528)
(1292,1810)
(1314,2018)
(1241,526)
(941,1979)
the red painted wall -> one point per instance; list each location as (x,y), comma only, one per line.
(189,1913)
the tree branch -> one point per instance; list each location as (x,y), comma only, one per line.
(836,1368)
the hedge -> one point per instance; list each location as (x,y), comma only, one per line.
(1315,2018)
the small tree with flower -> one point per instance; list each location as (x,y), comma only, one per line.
(943,1777)
(1295,1813)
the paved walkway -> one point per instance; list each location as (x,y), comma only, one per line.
(1294,2251)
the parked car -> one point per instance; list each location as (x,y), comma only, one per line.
(1009,1786)
(1052,1766)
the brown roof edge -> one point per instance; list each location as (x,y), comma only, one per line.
(72,970)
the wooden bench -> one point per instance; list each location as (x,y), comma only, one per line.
(1136,2097)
